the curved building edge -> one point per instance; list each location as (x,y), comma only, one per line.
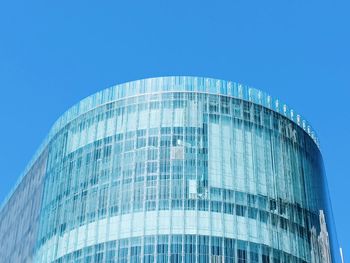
(178,84)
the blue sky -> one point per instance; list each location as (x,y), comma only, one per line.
(54,53)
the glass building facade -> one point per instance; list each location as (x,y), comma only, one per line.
(173,169)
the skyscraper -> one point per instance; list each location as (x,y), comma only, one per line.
(173,169)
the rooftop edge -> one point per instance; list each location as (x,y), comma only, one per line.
(170,84)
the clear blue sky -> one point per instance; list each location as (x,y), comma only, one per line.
(54,53)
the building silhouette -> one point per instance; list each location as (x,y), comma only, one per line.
(173,169)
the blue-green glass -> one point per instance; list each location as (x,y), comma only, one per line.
(173,169)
